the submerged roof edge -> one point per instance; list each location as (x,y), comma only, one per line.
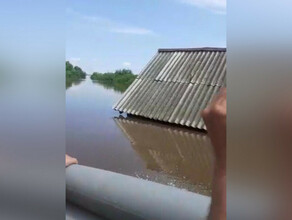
(219,49)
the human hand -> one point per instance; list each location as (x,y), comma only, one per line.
(70,160)
(215,119)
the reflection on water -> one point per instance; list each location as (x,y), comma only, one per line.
(70,83)
(100,138)
(181,153)
(115,86)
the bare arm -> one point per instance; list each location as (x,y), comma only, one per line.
(215,119)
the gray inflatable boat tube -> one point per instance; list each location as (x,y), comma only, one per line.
(119,197)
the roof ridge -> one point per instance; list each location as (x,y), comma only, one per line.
(219,49)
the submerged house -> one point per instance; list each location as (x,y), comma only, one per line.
(176,85)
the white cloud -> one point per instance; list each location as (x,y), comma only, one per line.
(110,25)
(217,6)
(97,20)
(129,30)
(127,64)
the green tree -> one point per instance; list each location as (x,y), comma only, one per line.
(119,80)
(73,74)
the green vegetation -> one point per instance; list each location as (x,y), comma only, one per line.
(73,74)
(120,80)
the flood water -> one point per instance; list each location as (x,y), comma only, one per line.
(100,137)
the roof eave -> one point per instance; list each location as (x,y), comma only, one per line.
(219,49)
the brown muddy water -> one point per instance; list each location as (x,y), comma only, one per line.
(100,137)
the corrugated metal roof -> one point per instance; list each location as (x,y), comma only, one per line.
(176,85)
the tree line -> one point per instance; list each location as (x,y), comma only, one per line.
(73,74)
(120,79)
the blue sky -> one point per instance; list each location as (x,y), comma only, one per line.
(105,35)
